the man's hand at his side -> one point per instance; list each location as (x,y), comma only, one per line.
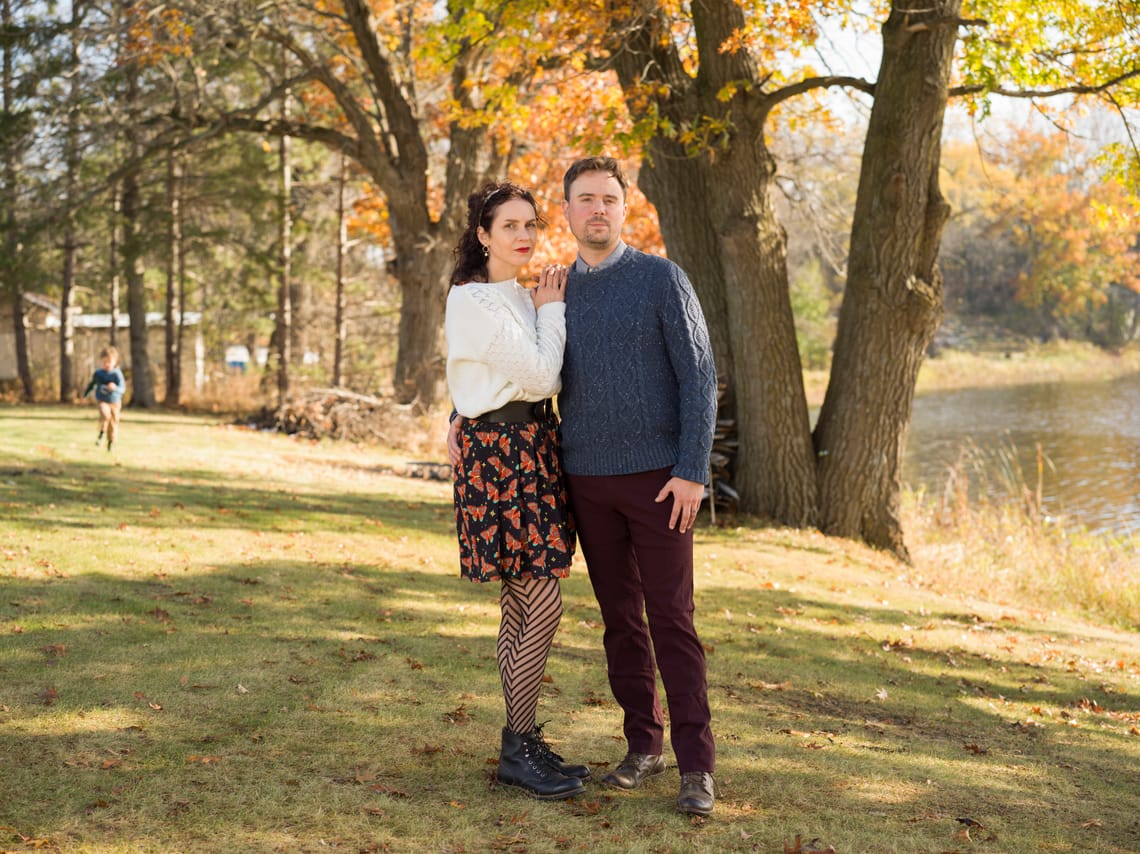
(687,495)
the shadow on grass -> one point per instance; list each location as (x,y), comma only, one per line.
(306,703)
(845,708)
(204,499)
(166,702)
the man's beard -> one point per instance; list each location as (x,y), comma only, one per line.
(597,238)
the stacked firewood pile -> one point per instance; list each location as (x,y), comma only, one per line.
(721,494)
(330,413)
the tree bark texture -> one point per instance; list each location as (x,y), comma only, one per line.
(142,375)
(893,302)
(70,239)
(719,224)
(283,334)
(10,268)
(134,240)
(341,305)
(115,261)
(174,274)
(67,318)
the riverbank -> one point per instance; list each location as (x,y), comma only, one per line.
(1006,362)
(260,643)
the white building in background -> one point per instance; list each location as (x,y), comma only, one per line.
(92,334)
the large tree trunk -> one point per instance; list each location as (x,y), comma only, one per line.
(70,247)
(142,375)
(174,279)
(134,241)
(424,256)
(67,318)
(893,302)
(10,264)
(422,271)
(283,330)
(340,322)
(718,222)
(115,262)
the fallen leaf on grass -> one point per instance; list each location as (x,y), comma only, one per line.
(459,716)
(812,847)
(770,686)
(383,789)
(1092,822)
(586,807)
(204,760)
(975,749)
(48,696)
(427,750)
(30,841)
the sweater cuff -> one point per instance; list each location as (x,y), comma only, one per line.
(690,474)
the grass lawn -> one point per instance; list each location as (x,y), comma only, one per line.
(214,639)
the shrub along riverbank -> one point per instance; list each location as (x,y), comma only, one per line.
(215,639)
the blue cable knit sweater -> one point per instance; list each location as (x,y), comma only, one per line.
(638,380)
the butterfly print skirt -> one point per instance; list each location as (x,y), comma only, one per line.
(510,502)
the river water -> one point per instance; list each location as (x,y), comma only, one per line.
(1089,434)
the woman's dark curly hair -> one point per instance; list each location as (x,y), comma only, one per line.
(470,259)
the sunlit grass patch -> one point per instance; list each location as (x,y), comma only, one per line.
(265,645)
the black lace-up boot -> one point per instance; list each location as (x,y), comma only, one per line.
(555,761)
(523,764)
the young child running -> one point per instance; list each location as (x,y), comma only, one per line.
(108,383)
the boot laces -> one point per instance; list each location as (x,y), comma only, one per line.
(541,746)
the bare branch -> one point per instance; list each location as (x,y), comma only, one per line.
(1075,89)
(795,89)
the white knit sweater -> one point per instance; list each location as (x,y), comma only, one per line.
(499,348)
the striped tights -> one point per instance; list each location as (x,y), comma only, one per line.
(531,609)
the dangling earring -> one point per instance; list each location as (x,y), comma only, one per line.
(486,251)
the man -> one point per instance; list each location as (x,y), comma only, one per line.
(638,407)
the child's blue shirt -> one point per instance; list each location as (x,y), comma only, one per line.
(104,378)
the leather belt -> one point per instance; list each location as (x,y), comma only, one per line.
(519,410)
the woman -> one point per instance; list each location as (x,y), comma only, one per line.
(504,355)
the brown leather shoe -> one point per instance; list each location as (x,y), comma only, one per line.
(696,796)
(635,769)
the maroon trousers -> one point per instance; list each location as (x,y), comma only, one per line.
(640,569)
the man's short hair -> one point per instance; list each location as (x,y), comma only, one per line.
(595,164)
